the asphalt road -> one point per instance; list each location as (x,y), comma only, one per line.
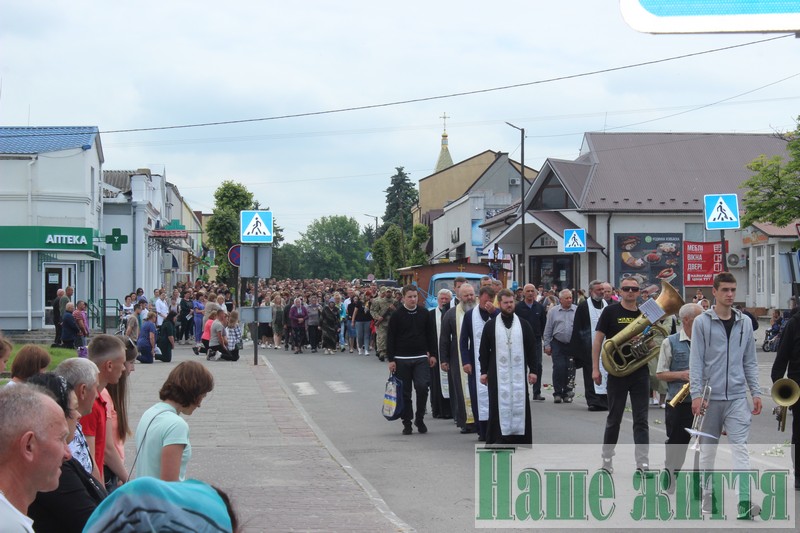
(428,480)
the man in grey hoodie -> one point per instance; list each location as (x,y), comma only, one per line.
(723,354)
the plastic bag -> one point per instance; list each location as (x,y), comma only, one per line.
(393,398)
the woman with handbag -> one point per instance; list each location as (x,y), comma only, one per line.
(162,436)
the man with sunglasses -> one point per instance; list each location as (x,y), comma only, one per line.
(614,319)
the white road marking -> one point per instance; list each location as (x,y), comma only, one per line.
(338,386)
(304,388)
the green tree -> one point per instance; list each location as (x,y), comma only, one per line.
(287,262)
(332,248)
(401,196)
(773,193)
(223,229)
(394,247)
(380,259)
(416,250)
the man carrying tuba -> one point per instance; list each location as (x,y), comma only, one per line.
(613,320)
(789,356)
(723,354)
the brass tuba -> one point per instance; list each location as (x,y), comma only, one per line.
(640,341)
(785,392)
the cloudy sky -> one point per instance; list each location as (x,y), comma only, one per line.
(151,64)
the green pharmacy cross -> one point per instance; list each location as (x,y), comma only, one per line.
(116,239)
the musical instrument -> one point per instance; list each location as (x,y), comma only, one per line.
(785,392)
(640,341)
(696,430)
(680,396)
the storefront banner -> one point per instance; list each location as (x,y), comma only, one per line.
(53,238)
(702,260)
(649,258)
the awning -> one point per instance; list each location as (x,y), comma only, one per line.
(551,222)
(557,223)
(67,256)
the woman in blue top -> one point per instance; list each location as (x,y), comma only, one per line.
(146,343)
(162,436)
(199,306)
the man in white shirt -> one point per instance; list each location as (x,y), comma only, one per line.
(33,445)
(162,308)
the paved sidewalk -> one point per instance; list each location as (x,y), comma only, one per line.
(252,439)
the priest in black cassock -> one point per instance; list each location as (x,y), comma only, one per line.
(440,387)
(507,367)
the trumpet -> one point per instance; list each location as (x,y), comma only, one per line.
(785,392)
(696,430)
(640,341)
(680,396)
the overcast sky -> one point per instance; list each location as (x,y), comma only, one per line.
(126,65)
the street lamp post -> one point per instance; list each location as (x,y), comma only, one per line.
(376,223)
(522,198)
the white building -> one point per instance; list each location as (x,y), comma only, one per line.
(50,217)
(638,194)
(162,233)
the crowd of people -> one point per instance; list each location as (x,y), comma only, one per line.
(62,446)
(476,358)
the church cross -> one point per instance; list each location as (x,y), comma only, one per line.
(444,117)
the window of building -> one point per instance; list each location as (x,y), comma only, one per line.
(552,195)
(771,272)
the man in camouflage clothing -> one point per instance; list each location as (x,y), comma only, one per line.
(381,309)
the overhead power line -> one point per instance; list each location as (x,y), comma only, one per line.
(432,98)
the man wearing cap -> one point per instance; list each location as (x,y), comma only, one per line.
(381,309)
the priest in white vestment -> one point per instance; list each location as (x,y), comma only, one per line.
(506,368)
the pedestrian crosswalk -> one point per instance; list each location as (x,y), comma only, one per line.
(304,388)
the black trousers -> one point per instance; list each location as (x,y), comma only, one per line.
(537,366)
(313,336)
(638,386)
(57,339)
(416,372)
(677,420)
(592,398)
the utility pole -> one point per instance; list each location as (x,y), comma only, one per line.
(523,210)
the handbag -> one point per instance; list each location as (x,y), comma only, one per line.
(393,398)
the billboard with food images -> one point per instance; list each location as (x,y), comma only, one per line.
(649,258)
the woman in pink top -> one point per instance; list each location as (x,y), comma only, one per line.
(118,429)
(206,337)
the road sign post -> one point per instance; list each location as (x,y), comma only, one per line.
(256,227)
(235,255)
(721,212)
(693,16)
(574,240)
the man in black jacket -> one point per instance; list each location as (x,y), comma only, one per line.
(581,342)
(789,356)
(530,310)
(408,343)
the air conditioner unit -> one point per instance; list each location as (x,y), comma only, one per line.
(514,181)
(737,260)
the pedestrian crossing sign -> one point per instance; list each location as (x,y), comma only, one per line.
(256,227)
(574,240)
(721,211)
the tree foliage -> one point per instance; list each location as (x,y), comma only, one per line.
(773,193)
(380,260)
(332,248)
(401,196)
(287,262)
(223,229)
(416,248)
